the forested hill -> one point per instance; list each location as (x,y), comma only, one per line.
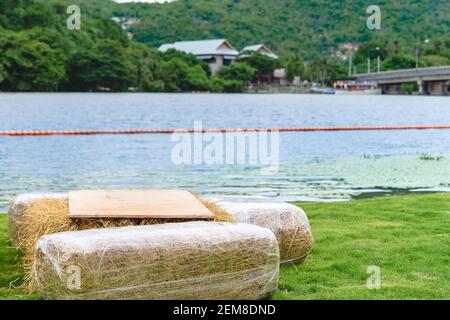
(307,27)
(38,52)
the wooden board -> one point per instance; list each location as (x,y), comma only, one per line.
(164,204)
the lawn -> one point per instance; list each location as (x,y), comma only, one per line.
(407,237)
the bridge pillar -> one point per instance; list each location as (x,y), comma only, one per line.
(437,88)
(422,87)
(392,88)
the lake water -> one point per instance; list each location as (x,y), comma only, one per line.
(313,165)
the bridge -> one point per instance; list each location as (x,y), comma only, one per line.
(430,81)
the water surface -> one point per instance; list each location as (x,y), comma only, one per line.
(313,165)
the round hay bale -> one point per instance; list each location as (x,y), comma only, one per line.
(193,260)
(289,223)
(32,216)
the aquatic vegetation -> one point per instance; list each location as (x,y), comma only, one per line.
(427,157)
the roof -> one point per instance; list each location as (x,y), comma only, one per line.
(261,49)
(202,47)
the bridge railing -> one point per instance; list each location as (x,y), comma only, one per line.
(403,71)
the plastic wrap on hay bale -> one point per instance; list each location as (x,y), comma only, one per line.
(32,216)
(192,260)
(21,203)
(288,222)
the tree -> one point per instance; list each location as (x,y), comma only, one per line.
(434,61)
(370,50)
(149,84)
(174,74)
(261,63)
(238,71)
(145,61)
(295,67)
(104,67)
(188,58)
(399,61)
(228,86)
(37,15)
(321,70)
(27,64)
(197,79)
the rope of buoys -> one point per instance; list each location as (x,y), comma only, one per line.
(216,130)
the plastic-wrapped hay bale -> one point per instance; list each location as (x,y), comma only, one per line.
(193,260)
(48,212)
(288,222)
(32,216)
(21,203)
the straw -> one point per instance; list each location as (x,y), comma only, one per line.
(193,260)
(47,216)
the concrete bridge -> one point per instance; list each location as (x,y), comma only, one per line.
(431,81)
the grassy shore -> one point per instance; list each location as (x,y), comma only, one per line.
(408,237)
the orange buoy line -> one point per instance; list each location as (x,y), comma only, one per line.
(217,130)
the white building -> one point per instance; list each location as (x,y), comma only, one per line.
(215,53)
(259,48)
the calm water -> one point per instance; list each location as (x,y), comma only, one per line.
(313,166)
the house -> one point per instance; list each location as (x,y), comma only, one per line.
(259,48)
(216,53)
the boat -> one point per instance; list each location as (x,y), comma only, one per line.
(355,87)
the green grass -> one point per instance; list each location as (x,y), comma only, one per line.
(11,274)
(408,237)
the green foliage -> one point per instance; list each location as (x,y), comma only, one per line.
(238,71)
(295,68)
(178,76)
(434,60)
(261,63)
(233,78)
(399,61)
(197,79)
(104,67)
(227,86)
(28,64)
(188,58)
(325,70)
(40,54)
(307,28)
(373,50)
(410,88)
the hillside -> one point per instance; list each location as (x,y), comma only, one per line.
(39,52)
(305,27)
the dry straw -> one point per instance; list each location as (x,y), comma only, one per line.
(193,260)
(50,215)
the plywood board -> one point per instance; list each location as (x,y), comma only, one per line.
(164,204)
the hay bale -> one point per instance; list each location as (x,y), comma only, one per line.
(193,260)
(20,204)
(289,223)
(32,216)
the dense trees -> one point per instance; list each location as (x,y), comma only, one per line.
(105,66)
(38,52)
(307,28)
(28,64)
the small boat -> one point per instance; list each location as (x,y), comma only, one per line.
(353,87)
